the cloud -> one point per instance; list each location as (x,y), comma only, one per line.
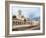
(26,11)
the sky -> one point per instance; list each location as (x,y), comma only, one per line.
(26,11)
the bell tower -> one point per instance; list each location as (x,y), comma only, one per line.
(19,12)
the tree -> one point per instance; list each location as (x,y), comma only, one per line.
(14,16)
(24,20)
